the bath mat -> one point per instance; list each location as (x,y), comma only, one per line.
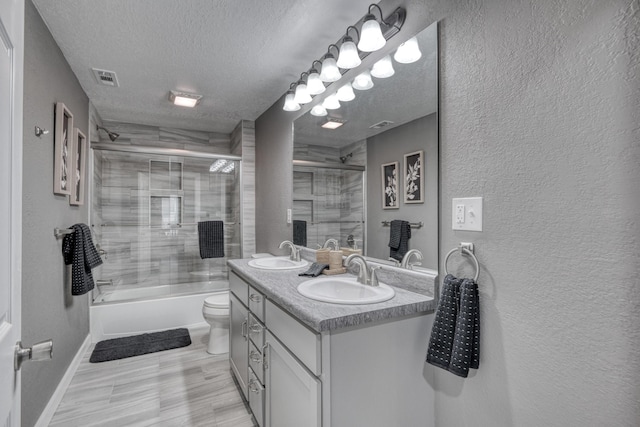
(137,345)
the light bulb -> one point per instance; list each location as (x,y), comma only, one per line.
(330,71)
(302,95)
(408,52)
(314,84)
(371,38)
(331,102)
(363,81)
(345,93)
(383,68)
(289,103)
(348,57)
(318,111)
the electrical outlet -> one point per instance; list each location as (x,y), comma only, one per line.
(466,214)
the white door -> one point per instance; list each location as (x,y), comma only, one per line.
(11,64)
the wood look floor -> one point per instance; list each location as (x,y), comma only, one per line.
(181,387)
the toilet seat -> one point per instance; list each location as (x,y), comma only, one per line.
(217,301)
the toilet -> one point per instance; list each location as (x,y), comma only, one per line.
(216,312)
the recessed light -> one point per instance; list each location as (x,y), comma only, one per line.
(333,123)
(184,99)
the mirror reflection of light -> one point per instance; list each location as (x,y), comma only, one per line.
(408,51)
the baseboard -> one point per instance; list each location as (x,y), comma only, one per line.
(56,398)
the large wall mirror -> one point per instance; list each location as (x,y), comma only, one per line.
(339,190)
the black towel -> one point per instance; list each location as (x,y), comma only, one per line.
(211,239)
(299,232)
(444,325)
(466,344)
(399,235)
(455,337)
(315,270)
(78,250)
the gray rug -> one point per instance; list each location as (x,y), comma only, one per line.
(120,348)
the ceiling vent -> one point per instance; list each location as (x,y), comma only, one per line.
(106,78)
(381,124)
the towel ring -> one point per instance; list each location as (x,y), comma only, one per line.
(463,250)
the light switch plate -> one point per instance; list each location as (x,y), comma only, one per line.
(466,214)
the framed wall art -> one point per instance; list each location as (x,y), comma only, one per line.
(77,176)
(414,177)
(390,185)
(63,151)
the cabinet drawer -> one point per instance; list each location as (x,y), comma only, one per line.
(302,341)
(239,287)
(256,398)
(256,303)
(256,331)
(256,361)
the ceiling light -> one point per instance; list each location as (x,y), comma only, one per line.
(383,68)
(330,72)
(229,168)
(345,93)
(333,123)
(314,84)
(371,38)
(318,111)
(301,95)
(408,52)
(331,102)
(184,99)
(349,57)
(363,81)
(217,165)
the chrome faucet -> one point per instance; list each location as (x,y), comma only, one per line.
(295,253)
(406,259)
(366,275)
(332,242)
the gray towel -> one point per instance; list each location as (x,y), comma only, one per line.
(315,270)
(78,250)
(299,232)
(211,239)
(399,235)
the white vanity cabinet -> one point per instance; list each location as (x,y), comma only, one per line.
(238,331)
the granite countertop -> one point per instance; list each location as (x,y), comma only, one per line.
(280,286)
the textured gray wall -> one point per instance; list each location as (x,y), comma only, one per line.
(48,309)
(539,106)
(391,146)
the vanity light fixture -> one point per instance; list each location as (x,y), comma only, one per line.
(314,84)
(408,52)
(345,93)
(363,81)
(330,72)
(331,102)
(333,123)
(383,68)
(301,95)
(349,56)
(217,165)
(371,38)
(289,103)
(318,111)
(184,99)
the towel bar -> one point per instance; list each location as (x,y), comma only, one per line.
(464,248)
(60,232)
(411,224)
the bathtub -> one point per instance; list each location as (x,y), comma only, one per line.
(126,312)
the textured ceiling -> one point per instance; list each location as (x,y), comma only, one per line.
(241,55)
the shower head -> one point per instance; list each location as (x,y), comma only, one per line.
(112,135)
(344,158)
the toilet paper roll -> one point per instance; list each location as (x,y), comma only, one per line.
(335,260)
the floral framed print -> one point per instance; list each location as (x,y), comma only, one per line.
(414,177)
(63,151)
(390,186)
(77,176)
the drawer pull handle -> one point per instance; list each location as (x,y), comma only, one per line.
(253,387)
(264,355)
(243,329)
(255,357)
(255,298)
(255,328)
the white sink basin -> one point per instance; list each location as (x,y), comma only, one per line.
(344,290)
(277,263)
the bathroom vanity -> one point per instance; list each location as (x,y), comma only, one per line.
(301,362)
